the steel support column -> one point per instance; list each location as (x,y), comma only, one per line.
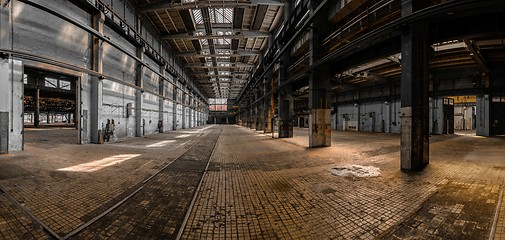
(174,109)
(96,82)
(319,88)
(190,111)
(36,121)
(139,99)
(254,110)
(161,100)
(414,92)
(183,110)
(259,116)
(268,104)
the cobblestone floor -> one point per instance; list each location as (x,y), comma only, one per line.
(257,187)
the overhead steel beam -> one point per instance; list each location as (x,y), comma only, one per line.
(233,73)
(239,53)
(476,54)
(204,77)
(238,18)
(171,5)
(232,65)
(234,35)
(187,19)
(261,12)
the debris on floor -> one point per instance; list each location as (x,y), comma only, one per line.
(356,170)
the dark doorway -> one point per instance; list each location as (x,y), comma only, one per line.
(50,109)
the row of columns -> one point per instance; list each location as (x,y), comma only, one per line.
(192,108)
(414,97)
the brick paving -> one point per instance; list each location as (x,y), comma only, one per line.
(278,189)
(15,224)
(158,210)
(257,187)
(65,200)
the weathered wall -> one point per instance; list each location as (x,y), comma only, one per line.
(43,35)
(380,116)
(116,97)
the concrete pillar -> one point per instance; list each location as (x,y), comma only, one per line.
(268,105)
(190,112)
(254,109)
(36,122)
(414,93)
(174,110)
(139,98)
(285,114)
(161,91)
(319,89)
(183,120)
(11,90)
(259,117)
(96,83)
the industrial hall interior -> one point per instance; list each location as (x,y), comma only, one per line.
(252,119)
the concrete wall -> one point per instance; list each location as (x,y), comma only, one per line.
(43,35)
(377,116)
(115,99)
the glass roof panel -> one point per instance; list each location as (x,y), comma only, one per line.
(197,13)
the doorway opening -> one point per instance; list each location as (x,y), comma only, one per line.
(464,114)
(51,112)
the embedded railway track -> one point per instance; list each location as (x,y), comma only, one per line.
(165,198)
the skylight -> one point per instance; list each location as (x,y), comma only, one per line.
(217,15)
(197,13)
(222,41)
(221,15)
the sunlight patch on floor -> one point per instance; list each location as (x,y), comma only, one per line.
(100,164)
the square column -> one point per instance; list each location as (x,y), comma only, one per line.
(268,106)
(285,114)
(414,93)
(319,87)
(190,112)
(259,118)
(161,91)
(174,108)
(183,120)
(320,108)
(95,110)
(139,98)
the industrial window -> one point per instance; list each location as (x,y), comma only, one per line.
(65,85)
(51,82)
(218,104)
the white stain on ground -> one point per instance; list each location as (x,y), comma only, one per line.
(356,170)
